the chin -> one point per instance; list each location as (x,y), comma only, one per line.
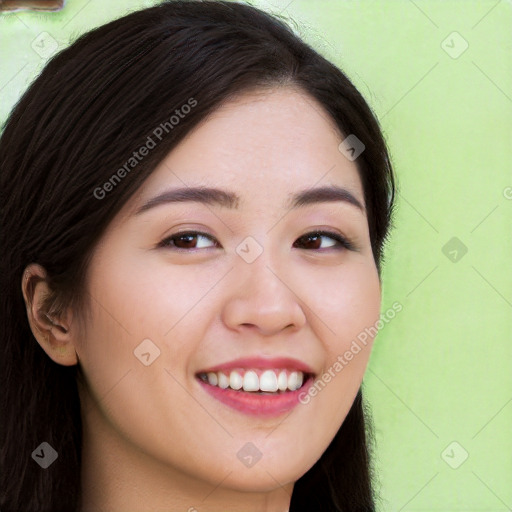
(264,476)
(261,480)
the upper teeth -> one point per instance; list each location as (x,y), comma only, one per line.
(249,380)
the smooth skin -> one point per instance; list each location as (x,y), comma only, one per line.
(154,440)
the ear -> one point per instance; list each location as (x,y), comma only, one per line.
(53,334)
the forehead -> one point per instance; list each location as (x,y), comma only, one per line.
(265,145)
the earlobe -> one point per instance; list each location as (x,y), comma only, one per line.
(53,335)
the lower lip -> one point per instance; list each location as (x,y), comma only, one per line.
(256,404)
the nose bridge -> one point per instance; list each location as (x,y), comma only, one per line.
(259,265)
(260,295)
(260,276)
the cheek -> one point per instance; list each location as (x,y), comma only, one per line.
(130,319)
(350,315)
(352,306)
(138,309)
(149,296)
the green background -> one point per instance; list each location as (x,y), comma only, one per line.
(439,379)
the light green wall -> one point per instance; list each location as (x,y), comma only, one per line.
(441,370)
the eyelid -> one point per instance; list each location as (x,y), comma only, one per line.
(335,235)
(163,242)
(344,242)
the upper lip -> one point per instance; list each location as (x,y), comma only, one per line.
(262,363)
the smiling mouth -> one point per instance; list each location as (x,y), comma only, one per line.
(257,381)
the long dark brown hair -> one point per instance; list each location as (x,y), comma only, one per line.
(94,104)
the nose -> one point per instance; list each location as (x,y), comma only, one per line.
(262,299)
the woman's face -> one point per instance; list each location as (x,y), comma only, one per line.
(253,297)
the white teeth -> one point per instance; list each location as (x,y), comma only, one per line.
(235,380)
(294,381)
(251,381)
(268,381)
(282,381)
(223,380)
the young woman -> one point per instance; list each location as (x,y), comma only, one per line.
(194,207)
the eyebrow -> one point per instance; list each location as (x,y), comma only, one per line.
(227,199)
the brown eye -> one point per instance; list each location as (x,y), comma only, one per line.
(194,240)
(186,240)
(313,241)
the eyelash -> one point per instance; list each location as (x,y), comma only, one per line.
(343,242)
